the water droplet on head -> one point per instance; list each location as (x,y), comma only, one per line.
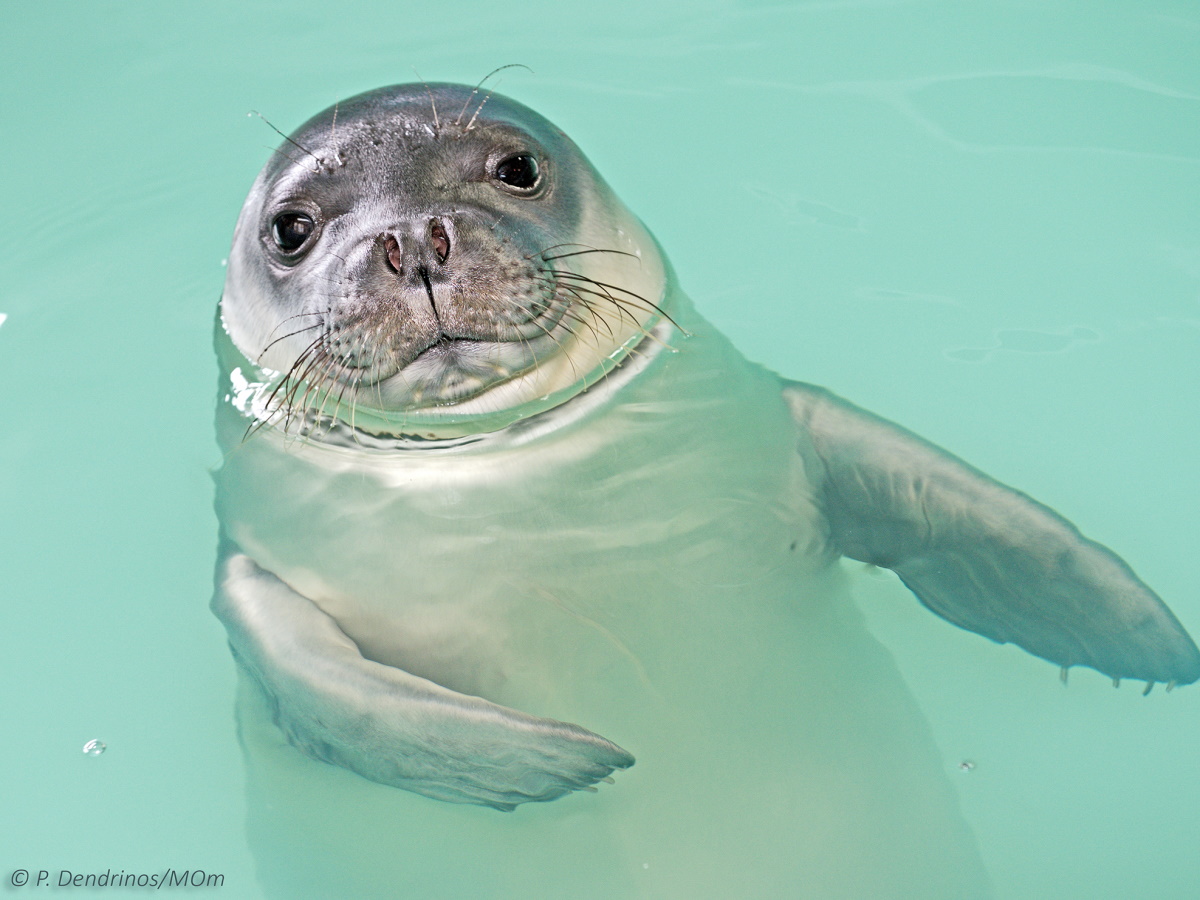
(94,747)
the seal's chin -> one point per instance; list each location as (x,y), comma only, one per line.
(454,370)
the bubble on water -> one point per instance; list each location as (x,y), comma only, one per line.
(967,765)
(94,747)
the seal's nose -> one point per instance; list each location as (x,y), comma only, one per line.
(439,239)
(418,244)
(391,248)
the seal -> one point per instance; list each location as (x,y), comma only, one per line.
(495,497)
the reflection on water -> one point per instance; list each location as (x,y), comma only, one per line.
(1024,341)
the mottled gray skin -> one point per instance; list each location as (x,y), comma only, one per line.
(434,389)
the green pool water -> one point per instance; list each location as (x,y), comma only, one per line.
(976,219)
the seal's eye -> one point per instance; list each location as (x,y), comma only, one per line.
(292,230)
(520,171)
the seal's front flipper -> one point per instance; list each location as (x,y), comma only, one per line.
(980,554)
(386,724)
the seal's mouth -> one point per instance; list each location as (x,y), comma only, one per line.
(343,369)
(452,425)
(454,369)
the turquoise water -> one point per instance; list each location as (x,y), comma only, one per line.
(976,219)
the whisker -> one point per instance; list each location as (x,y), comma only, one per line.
(298,401)
(378,386)
(649,304)
(337,406)
(479,109)
(284,338)
(268,412)
(289,318)
(543,328)
(333,134)
(255,112)
(354,408)
(622,307)
(475,91)
(311,415)
(593,250)
(556,246)
(588,306)
(292,159)
(302,378)
(432,105)
(302,359)
(331,363)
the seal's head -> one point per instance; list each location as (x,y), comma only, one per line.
(431,252)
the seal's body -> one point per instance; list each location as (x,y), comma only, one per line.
(627,571)
(504,492)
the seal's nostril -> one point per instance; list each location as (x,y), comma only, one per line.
(439,239)
(391,248)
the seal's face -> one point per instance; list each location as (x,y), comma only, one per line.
(411,249)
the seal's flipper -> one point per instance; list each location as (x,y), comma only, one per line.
(386,724)
(982,555)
